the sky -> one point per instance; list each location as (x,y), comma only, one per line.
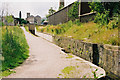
(34,7)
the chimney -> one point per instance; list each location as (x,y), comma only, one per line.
(61,4)
(28,15)
(20,15)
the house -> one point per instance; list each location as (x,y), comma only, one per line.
(33,19)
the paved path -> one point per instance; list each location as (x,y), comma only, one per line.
(46,61)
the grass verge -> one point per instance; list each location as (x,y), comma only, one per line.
(89,32)
(15,48)
(26,28)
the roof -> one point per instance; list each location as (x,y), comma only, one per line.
(37,16)
(45,22)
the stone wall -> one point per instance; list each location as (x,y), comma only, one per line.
(105,56)
(60,16)
(31,28)
(87,17)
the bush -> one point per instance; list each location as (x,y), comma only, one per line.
(56,31)
(106,12)
(1,23)
(70,24)
(52,30)
(77,22)
(42,30)
(73,12)
(14,46)
(102,18)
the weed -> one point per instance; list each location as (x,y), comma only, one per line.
(84,76)
(26,28)
(69,56)
(42,30)
(60,74)
(7,72)
(58,77)
(94,73)
(68,69)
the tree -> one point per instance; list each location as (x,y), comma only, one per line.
(4,11)
(9,19)
(51,11)
(73,12)
(105,11)
(47,15)
(42,20)
(20,15)
(24,22)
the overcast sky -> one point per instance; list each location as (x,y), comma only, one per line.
(35,7)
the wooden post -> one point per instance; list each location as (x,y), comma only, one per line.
(79,9)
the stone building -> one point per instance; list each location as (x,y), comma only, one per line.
(33,19)
(38,20)
(61,16)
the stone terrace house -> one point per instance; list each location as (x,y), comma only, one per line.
(33,19)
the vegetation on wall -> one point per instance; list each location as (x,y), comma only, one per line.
(50,12)
(105,12)
(15,48)
(73,12)
(61,7)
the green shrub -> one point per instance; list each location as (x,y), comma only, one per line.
(47,29)
(26,28)
(42,30)
(1,23)
(52,30)
(77,22)
(14,46)
(73,12)
(70,23)
(102,18)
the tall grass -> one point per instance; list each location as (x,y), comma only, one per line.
(14,47)
(26,28)
(90,32)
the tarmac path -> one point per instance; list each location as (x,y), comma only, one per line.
(46,61)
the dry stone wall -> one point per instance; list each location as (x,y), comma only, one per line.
(105,56)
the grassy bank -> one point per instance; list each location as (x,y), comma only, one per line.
(90,32)
(15,48)
(26,28)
